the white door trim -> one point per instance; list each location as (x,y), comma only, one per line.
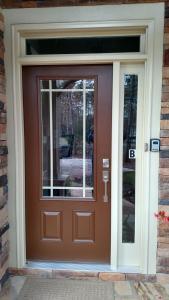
(148,16)
(130,253)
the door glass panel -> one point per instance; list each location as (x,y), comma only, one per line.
(44,84)
(75,193)
(89,138)
(67,111)
(67,139)
(67,84)
(90,84)
(129,154)
(45,138)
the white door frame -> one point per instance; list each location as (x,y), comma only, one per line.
(148,17)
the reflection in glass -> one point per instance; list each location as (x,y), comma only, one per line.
(75,193)
(129,142)
(90,84)
(67,138)
(68,192)
(89,138)
(67,84)
(46,138)
(44,84)
(69,114)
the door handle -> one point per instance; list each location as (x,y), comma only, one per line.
(105,180)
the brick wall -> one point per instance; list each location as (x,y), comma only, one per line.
(52,3)
(4,226)
(163,232)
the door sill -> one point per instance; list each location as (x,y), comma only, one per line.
(70,266)
(81,271)
(84,267)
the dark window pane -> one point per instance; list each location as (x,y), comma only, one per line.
(46,192)
(44,84)
(74,193)
(83,45)
(129,147)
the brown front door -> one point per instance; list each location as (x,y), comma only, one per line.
(67,119)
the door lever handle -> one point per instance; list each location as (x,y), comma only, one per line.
(105,180)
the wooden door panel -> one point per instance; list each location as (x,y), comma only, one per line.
(65,226)
(52,225)
(84,226)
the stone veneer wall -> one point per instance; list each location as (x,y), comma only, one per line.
(4,226)
(163,232)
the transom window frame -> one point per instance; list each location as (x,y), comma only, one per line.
(91,31)
(151,20)
(106,34)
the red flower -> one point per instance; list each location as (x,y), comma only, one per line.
(162,213)
(162,216)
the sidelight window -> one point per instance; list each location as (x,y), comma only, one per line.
(129,157)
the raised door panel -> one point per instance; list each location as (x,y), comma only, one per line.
(51,225)
(83,226)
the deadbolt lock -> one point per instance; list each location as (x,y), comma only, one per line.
(106,164)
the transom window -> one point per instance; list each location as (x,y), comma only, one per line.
(82,45)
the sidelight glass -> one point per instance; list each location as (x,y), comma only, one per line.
(129,157)
(67,113)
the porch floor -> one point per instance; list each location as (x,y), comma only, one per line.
(121,290)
